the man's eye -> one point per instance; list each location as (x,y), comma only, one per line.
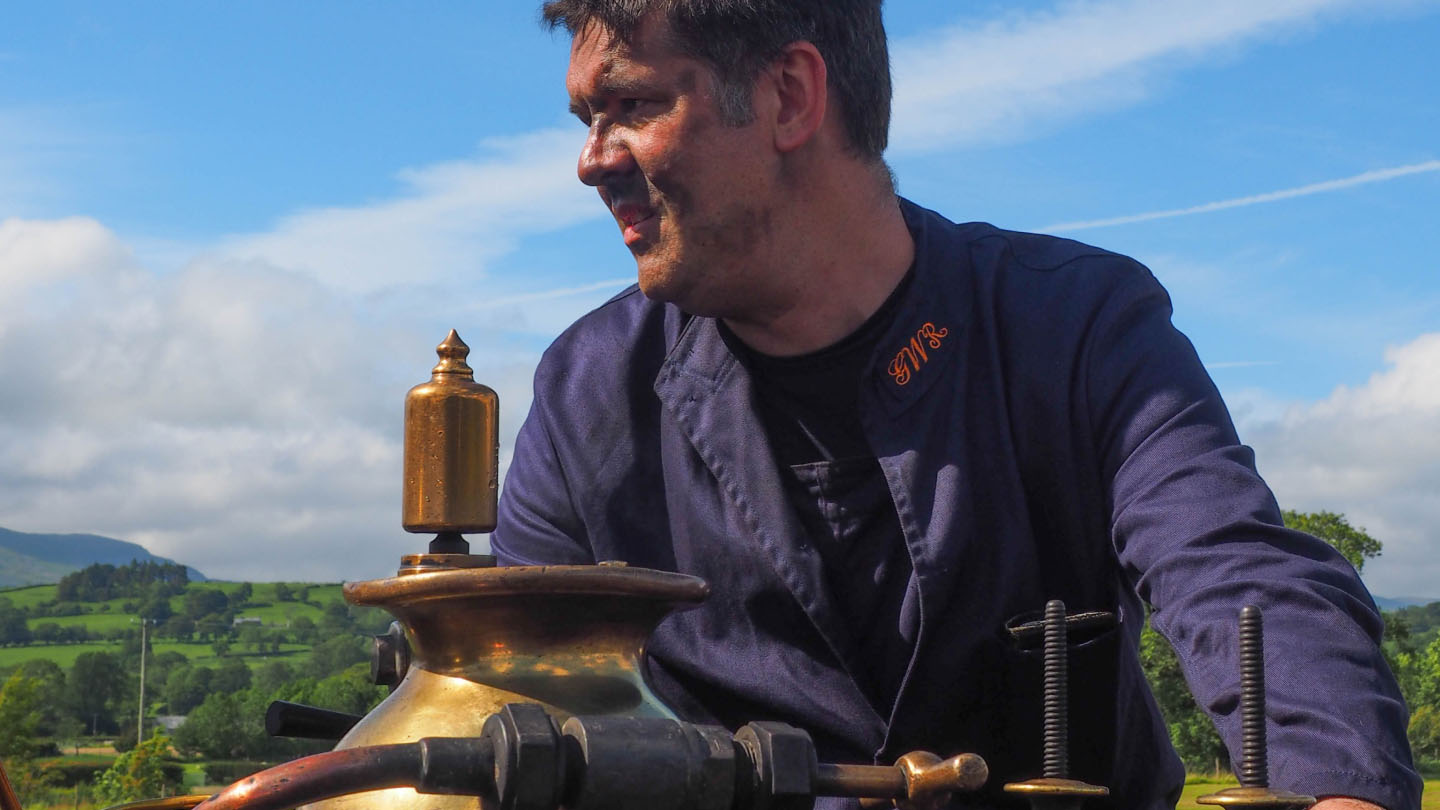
(630,105)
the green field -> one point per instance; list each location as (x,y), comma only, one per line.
(29,595)
(109,616)
(199,653)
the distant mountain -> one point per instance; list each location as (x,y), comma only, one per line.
(1395,603)
(37,559)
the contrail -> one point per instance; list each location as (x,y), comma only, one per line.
(557,293)
(1242,363)
(1377,176)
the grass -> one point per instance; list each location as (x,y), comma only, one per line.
(1196,786)
(199,653)
(29,595)
(62,654)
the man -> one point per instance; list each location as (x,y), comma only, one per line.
(883,437)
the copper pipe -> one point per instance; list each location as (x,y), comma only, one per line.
(8,799)
(874,781)
(322,776)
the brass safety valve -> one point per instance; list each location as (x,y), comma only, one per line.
(452,458)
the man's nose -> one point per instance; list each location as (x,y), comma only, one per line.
(603,156)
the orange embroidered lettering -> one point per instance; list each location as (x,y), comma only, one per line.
(930,333)
(918,348)
(898,369)
(910,358)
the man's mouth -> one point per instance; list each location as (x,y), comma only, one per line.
(630,214)
(634,221)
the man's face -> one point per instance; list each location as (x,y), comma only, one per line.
(689,193)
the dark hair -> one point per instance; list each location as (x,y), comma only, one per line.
(738,38)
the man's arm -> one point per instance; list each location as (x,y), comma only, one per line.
(537,520)
(1199,534)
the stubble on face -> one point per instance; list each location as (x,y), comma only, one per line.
(700,177)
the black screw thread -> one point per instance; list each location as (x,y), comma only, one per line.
(1254,769)
(1057,693)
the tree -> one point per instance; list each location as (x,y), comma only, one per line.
(274,675)
(212,626)
(335,654)
(232,676)
(349,691)
(47,633)
(50,693)
(241,595)
(1352,543)
(214,729)
(187,688)
(178,627)
(304,627)
(156,609)
(137,774)
(283,593)
(253,635)
(19,717)
(202,602)
(1424,733)
(95,687)
(336,618)
(13,629)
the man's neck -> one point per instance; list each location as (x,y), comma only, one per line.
(847,263)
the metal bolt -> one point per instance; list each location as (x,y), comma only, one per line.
(1057,693)
(1056,790)
(1254,769)
(1254,792)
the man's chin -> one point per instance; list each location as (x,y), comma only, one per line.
(657,290)
(658,283)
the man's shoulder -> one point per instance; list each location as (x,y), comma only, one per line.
(989,250)
(1032,292)
(625,332)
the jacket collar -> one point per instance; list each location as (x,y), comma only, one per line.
(924,339)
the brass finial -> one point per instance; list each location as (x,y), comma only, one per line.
(452,453)
(452,351)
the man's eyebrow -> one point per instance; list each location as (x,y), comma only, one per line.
(609,86)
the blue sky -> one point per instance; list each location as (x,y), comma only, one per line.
(231,234)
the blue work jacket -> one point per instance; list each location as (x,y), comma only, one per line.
(1045,433)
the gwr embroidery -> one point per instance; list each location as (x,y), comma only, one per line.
(913,356)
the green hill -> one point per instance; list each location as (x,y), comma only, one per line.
(33,559)
(260,629)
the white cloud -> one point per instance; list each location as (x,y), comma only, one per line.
(998,79)
(236,416)
(1373,453)
(40,252)
(451,221)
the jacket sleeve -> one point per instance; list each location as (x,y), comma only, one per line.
(1198,533)
(537,523)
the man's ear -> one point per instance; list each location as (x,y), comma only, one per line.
(799,76)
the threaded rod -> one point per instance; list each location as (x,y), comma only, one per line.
(1254,769)
(1057,693)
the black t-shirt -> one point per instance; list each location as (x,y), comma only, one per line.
(809,406)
